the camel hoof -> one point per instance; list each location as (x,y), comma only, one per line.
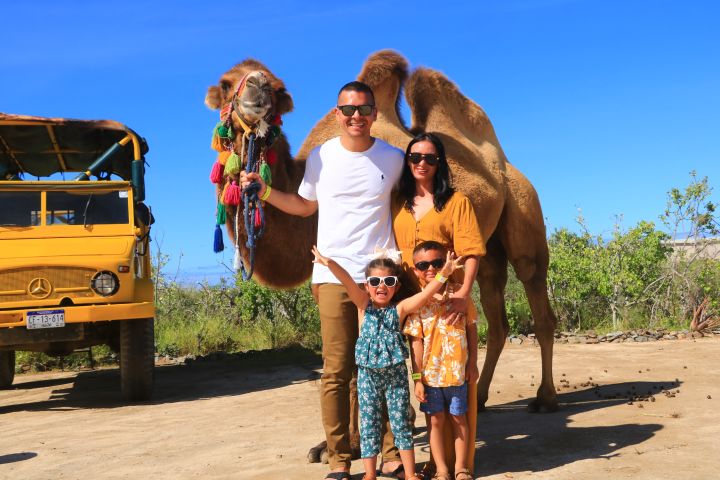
(315,454)
(542,406)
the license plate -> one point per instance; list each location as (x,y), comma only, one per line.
(45,319)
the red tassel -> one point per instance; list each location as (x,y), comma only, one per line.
(232,195)
(258,220)
(277,120)
(216,174)
(225,112)
(271,157)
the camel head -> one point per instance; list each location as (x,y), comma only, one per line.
(253,91)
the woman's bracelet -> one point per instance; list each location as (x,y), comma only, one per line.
(440,278)
(416,376)
(266,194)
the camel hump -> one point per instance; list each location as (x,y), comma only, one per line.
(384,66)
(385,72)
(437,105)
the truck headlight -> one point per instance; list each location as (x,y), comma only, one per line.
(105,283)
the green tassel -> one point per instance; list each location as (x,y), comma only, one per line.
(232,164)
(221,215)
(223,130)
(265,174)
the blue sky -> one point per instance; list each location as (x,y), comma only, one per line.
(604,106)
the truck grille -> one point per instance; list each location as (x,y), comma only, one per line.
(45,283)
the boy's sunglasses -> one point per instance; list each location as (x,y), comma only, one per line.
(390,281)
(349,110)
(431,159)
(436,264)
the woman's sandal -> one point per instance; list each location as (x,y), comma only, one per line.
(463,474)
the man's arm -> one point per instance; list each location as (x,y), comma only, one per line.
(291,203)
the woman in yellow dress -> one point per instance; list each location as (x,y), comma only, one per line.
(427,207)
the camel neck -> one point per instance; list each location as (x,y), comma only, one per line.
(357,145)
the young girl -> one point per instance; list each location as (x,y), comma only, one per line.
(380,354)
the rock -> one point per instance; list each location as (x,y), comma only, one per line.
(641,338)
(516,341)
(574,340)
(697,334)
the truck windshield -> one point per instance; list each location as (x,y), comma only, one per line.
(83,208)
(20,209)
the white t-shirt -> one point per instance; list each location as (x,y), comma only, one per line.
(353,194)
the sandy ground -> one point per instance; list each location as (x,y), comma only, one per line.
(228,419)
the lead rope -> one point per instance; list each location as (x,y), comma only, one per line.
(253,212)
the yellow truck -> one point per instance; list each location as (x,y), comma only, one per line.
(75,267)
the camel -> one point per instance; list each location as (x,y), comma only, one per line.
(505,202)
(283,259)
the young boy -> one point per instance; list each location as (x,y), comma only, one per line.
(440,353)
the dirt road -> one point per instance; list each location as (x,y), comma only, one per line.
(228,419)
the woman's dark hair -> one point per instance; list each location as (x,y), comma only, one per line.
(442,183)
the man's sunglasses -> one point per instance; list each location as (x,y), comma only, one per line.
(349,110)
(390,281)
(431,159)
(436,264)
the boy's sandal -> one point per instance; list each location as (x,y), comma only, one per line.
(463,474)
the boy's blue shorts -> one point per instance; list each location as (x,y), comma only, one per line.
(449,399)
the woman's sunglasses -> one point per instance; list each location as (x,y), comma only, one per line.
(390,281)
(436,264)
(349,110)
(431,159)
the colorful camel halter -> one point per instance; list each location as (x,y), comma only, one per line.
(255,156)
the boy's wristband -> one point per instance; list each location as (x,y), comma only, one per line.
(416,376)
(440,278)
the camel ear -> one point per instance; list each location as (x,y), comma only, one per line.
(217,94)
(283,102)
(214,98)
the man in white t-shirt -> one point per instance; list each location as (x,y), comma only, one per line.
(348,180)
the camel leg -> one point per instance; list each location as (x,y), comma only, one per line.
(492,277)
(532,273)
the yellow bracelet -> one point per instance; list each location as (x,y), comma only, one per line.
(416,376)
(440,278)
(266,194)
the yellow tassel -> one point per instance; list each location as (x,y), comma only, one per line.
(223,156)
(222,195)
(217,143)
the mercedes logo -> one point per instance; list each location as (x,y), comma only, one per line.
(40,287)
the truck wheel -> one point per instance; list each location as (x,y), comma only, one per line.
(7,368)
(137,359)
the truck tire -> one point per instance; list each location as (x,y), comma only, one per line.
(7,368)
(137,359)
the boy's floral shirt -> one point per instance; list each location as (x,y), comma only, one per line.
(445,348)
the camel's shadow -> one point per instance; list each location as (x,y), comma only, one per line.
(221,377)
(510,440)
